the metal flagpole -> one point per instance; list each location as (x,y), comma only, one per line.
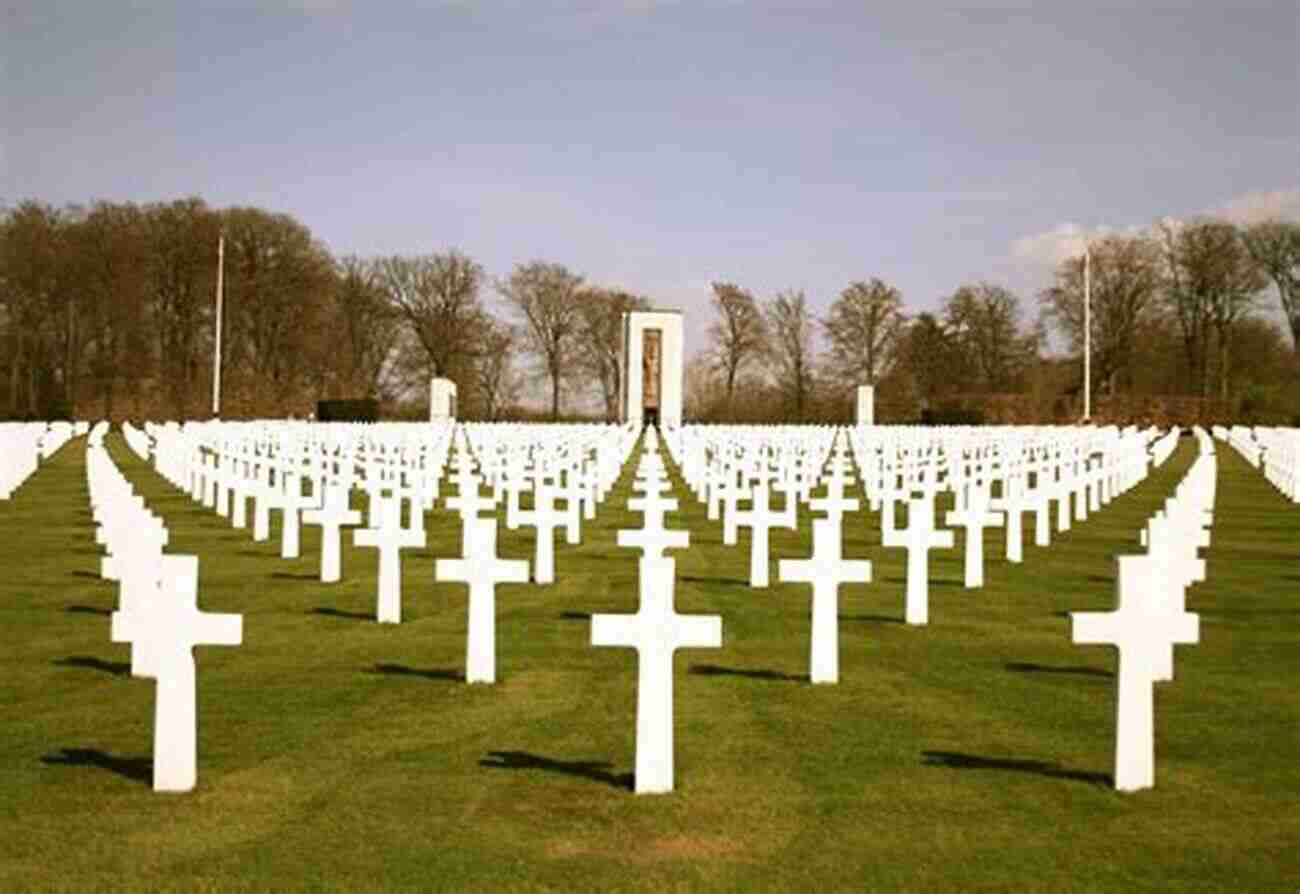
(216,354)
(1087,333)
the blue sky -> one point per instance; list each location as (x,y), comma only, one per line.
(660,145)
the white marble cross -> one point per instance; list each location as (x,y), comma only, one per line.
(834,504)
(292,502)
(918,539)
(826,570)
(1143,629)
(332,516)
(545,518)
(1014,503)
(482,570)
(975,517)
(169,629)
(652,539)
(389,538)
(656,631)
(761,519)
(734,490)
(137,566)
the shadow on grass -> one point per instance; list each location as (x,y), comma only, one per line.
(596,771)
(290,575)
(138,768)
(83,573)
(575,616)
(714,581)
(1025,667)
(340,613)
(116,668)
(880,619)
(401,670)
(957,761)
(716,670)
(88,610)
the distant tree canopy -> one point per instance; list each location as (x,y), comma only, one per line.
(108,310)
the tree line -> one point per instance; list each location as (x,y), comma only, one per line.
(108,310)
(1186,309)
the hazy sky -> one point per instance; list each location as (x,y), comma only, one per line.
(660,145)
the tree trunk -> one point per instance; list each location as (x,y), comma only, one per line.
(1223,366)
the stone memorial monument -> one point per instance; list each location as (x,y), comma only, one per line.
(442,400)
(866,405)
(652,368)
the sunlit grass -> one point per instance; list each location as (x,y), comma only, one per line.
(335,752)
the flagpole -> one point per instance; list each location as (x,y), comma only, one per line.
(216,354)
(1087,333)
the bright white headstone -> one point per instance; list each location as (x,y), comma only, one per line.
(656,631)
(170,628)
(1142,629)
(482,570)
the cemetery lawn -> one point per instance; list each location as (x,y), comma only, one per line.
(335,753)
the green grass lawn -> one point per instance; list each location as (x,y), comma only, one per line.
(335,753)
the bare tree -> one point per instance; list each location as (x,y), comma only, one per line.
(363,326)
(1275,247)
(931,358)
(183,273)
(437,298)
(790,350)
(494,376)
(863,328)
(739,334)
(277,279)
(1126,281)
(546,297)
(1212,282)
(111,264)
(600,340)
(36,306)
(983,321)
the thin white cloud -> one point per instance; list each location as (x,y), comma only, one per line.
(1067,240)
(1253,207)
(1063,241)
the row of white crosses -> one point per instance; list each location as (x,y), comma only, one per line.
(394,468)
(157,613)
(1079,470)
(1274,451)
(225,465)
(656,631)
(1151,615)
(24,444)
(827,570)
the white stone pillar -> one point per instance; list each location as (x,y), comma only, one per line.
(442,400)
(866,405)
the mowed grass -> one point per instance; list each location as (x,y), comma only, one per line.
(336,753)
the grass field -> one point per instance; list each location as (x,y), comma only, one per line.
(335,753)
